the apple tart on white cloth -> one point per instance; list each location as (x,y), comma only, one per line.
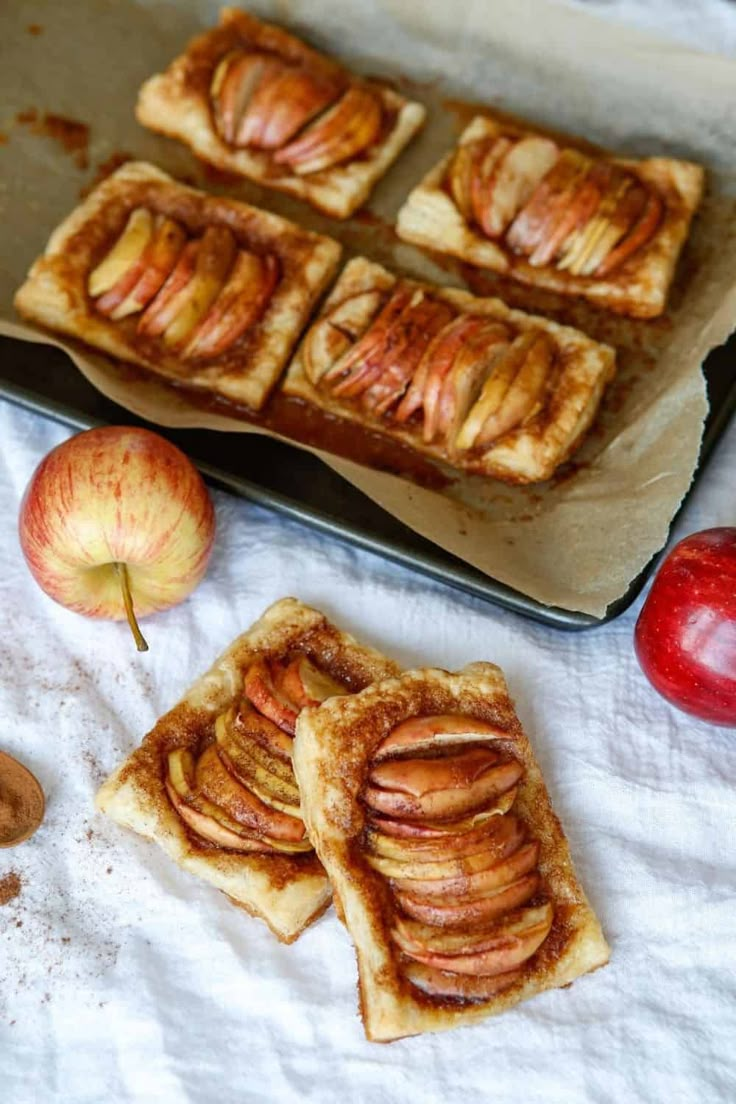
(557,216)
(201,289)
(213,782)
(424,801)
(252,99)
(470,381)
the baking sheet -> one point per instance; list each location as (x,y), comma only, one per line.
(578,541)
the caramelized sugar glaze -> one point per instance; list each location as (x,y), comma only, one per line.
(468,906)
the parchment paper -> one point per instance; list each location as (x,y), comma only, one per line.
(579,540)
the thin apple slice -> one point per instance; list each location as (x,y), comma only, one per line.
(450,803)
(503,834)
(249,723)
(418,325)
(439,983)
(341,132)
(215,256)
(362,363)
(163,307)
(553,194)
(582,245)
(234,82)
(503,369)
(441,355)
(252,764)
(637,237)
(582,206)
(260,689)
(495,851)
(463,382)
(525,395)
(460,175)
(158,262)
(197,813)
(624,217)
(217,785)
(514,180)
(485,167)
(411,935)
(468,887)
(454,915)
(438,830)
(420,776)
(305,684)
(239,305)
(284,103)
(125,255)
(438,730)
(332,336)
(505,953)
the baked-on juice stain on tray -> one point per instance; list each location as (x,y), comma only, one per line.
(71,134)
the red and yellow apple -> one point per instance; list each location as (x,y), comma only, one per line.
(117,523)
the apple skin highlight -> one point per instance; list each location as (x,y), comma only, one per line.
(685,637)
(111,496)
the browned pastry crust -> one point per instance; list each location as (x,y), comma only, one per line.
(529,452)
(430,217)
(55,294)
(334,744)
(177,103)
(287,891)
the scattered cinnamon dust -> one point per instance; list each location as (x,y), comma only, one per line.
(10,887)
(21,801)
(34,29)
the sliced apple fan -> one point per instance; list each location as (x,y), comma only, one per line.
(213,782)
(202,289)
(557,216)
(424,801)
(276,111)
(467,380)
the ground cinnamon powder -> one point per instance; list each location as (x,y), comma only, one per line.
(21,802)
(10,886)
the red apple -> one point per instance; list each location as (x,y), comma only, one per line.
(117,522)
(685,637)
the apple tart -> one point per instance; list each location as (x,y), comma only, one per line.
(470,381)
(556,216)
(201,289)
(213,782)
(254,100)
(449,868)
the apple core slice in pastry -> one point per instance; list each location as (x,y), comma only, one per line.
(213,782)
(463,923)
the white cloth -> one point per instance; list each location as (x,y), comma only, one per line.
(123,979)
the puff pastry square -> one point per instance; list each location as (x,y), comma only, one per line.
(200,289)
(449,868)
(557,216)
(488,389)
(287,889)
(252,99)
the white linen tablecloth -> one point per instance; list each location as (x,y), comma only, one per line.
(124,979)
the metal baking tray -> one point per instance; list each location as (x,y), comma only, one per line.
(298,484)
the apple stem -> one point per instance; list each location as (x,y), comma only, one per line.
(122,570)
